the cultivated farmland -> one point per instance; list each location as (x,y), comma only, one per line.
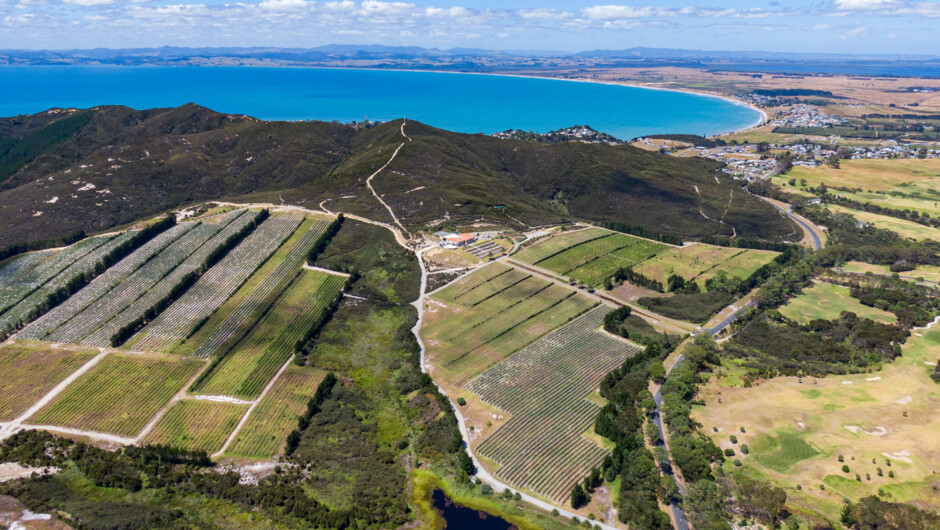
(700,262)
(214,287)
(12,268)
(492,314)
(235,317)
(254,360)
(544,387)
(265,432)
(31,371)
(197,425)
(591,258)
(119,394)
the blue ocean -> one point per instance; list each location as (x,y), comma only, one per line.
(469,103)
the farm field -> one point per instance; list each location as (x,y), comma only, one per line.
(213,288)
(240,312)
(103,284)
(31,371)
(927,272)
(119,394)
(197,425)
(827,301)
(13,268)
(492,314)
(595,271)
(253,361)
(902,227)
(700,262)
(557,242)
(544,388)
(265,432)
(875,175)
(797,429)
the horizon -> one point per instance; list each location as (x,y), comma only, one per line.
(884,27)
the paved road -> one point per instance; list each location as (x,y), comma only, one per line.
(678,513)
(716,329)
(817,243)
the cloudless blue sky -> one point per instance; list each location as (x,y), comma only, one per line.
(830,26)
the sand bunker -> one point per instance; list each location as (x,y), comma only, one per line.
(873,379)
(900,456)
(847,383)
(879,430)
(928,363)
(904,400)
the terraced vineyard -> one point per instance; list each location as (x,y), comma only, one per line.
(265,432)
(31,371)
(254,360)
(544,388)
(701,262)
(197,425)
(494,313)
(119,394)
(102,285)
(590,256)
(239,314)
(213,288)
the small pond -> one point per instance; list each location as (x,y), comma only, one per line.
(459,517)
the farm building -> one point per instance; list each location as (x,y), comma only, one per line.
(459,240)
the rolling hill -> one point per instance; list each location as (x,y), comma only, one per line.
(108,166)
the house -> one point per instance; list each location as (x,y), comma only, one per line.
(459,240)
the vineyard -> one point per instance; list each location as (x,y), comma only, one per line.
(558,242)
(196,425)
(253,361)
(544,388)
(119,394)
(265,432)
(237,316)
(13,268)
(590,256)
(701,262)
(494,313)
(30,371)
(214,287)
(101,285)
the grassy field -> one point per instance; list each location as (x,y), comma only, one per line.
(483,319)
(902,227)
(31,371)
(197,425)
(702,262)
(544,388)
(927,272)
(120,394)
(254,360)
(827,301)
(874,175)
(266,430)
(796,430)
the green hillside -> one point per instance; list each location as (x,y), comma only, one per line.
(125,164)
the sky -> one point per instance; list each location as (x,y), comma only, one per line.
(829,26)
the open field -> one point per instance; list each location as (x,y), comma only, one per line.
(869,175)
(827,301)
(490,315)
(214,287)
(902,227)
(31,371)
(591,257)
(197,425)
(254,360)
(544,388)
(120,394)
(237,315)
(797,429)
(701,262)
(266,430)
(929,273)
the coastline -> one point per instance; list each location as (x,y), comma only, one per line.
(762,115)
